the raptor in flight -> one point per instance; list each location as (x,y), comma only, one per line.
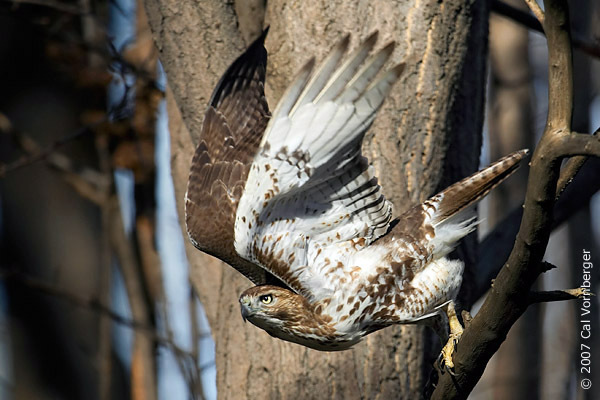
(289,201)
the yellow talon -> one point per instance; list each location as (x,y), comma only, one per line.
(456,331)
(448,350)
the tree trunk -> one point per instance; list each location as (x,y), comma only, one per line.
(436,106)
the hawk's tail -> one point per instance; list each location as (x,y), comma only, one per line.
(440,222)
(459,196)
(449,212)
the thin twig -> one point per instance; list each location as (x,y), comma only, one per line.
(105,327)
(105,350)
(34,152)
(72,298)
(88,183)
(517,15)
(546,266)
(580,42)
(495,248)
(96,306)
(536,10)
(143,361)
(558,295)
(569,171)
(149,258)
(586,46)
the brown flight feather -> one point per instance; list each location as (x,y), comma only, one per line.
(229,138)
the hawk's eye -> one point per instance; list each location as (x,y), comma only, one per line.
(266,299)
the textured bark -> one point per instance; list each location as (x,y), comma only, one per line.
(408,145)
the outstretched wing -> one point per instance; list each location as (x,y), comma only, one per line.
(309,187)
(229,139)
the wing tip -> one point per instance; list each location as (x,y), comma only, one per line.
(253,58)
(372,38)
(308,68)
(260,40)
(389,48)
(264,33)
(345,41)
(398,69)
(523,153)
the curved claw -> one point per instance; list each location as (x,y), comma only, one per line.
(450,371)
(443,367)
(445,361)
(448,350)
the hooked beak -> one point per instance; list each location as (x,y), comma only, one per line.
(245,306)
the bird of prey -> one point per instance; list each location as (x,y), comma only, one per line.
(289,201)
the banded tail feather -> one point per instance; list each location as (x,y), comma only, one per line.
(470,190)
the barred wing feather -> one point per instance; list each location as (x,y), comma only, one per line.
(309,189)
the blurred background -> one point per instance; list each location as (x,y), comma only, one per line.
(95,300)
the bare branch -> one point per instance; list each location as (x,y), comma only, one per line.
(560,70)
(587,46)
(546,266)
(87,182)
(576,144)
(495,248)
(536,10)
(149,258)
(92,304)
(105,343)
(581,43)
(517,15)
(142,375)
(507,299)
(34,152)
(558,295)
(568,172)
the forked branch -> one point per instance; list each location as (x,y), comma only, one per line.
(509,296)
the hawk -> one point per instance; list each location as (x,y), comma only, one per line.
(289,201)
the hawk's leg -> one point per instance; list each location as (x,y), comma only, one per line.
(456,331)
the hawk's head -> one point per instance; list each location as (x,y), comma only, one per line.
(269,307)
(289,316)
